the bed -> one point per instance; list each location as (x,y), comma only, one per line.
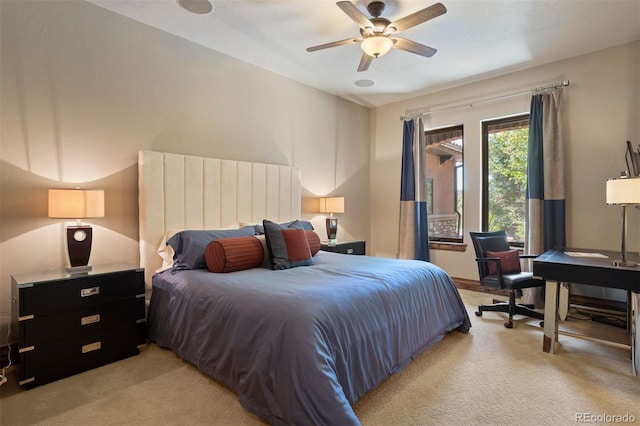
(299,345)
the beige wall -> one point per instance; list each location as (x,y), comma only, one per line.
(601,112)
(84,89)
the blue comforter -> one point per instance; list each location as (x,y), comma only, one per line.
(300,346)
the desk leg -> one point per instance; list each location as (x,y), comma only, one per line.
(635,329)
(563,301)
(552,290)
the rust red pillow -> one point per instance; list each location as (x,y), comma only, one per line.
(234,254)
(297,245)
(314,242)
(510,261)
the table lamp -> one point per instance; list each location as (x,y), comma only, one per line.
(332,205)
(77,204)
(624,191)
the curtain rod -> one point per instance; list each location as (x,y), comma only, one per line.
(419,112)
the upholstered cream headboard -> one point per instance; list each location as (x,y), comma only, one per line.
(186,192)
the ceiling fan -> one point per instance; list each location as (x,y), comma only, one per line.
(378,33)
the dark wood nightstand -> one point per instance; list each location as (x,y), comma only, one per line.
(346,247)
(73,323)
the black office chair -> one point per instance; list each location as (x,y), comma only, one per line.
(512,279)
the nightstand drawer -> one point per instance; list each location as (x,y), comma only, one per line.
(93,319)
(56,296)
(45,364)
(347,247)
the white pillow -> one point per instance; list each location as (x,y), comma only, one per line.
(267,259)
(166,251)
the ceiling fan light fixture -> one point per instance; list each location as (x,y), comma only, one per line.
(376,46)
(378,34)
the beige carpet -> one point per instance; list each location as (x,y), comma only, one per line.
(490,376)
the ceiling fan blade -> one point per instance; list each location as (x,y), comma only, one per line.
(413,47)
(365,62)
(355,14)
(416,18)
(333,44)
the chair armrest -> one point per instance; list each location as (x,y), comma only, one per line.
(495,260)
(488,259)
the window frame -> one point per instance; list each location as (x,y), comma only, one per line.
(485,166)
(435,130)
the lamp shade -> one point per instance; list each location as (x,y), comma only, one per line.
(376,45)
(76,203)
(332,205)
(623,191)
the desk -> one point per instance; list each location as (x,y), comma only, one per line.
(556,267)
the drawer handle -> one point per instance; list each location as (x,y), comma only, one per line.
(350,251)
(25,381)
(91,347)
(90,319)
(93,291)
(27,349)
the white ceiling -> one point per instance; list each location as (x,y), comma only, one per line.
(475,39)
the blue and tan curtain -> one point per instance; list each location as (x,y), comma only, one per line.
(413,241)
(545,181)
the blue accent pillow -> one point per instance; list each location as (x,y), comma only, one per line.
(190,246)
(306,225)
(288,246)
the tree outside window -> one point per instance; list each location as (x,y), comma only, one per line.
(505,176)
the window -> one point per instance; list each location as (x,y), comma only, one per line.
(444,183)
(504,176)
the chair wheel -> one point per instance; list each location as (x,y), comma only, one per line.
(478,313)
(541,323)
(508,324)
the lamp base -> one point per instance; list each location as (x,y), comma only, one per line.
(332,230)
(76,270)
(625,264)
(79,245)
